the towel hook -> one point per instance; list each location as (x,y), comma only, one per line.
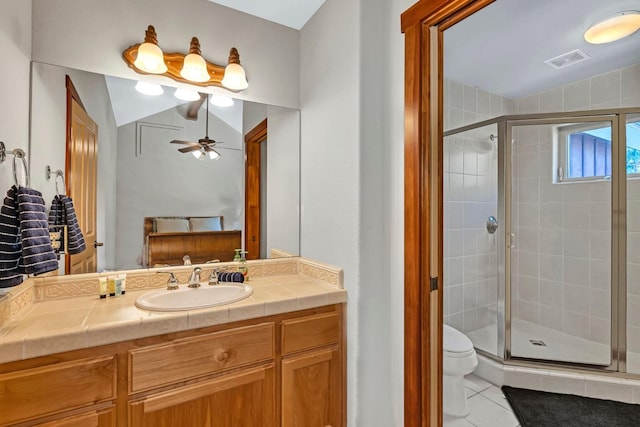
(17,154)
(60,175)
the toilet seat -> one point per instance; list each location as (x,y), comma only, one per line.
(455,343)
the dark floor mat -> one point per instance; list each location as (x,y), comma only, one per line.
(541,409)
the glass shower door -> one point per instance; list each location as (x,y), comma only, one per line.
(558,207)
(470,243)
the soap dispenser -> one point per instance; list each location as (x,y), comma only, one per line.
(236,257)
(243,268)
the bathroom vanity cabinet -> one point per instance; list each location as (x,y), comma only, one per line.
(284,370)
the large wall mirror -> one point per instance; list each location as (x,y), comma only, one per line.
(141,179)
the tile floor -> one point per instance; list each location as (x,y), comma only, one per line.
(487,406)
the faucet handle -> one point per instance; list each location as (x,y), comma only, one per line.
(172,282)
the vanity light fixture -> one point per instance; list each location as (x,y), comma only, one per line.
(193,68)
(234,75)
(186,94)
(614,28)
(150,58)
(221,101)
(150,89)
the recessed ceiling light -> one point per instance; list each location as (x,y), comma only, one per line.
(151,89)
(221,101)
(614,28)
(186,94)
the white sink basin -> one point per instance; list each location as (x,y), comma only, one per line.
(186,298)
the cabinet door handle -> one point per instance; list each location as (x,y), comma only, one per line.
(96,244)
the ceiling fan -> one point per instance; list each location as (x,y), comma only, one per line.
(204,146)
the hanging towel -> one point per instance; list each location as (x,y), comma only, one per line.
(10,248)
(37,254)
(62,212)
(76,242)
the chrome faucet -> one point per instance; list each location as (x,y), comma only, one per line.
(194,280)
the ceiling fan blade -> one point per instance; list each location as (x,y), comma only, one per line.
(192,111)
(176,141)
(189,149)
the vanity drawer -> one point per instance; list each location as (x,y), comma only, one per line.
(32,393)
(188,358)
(310,332)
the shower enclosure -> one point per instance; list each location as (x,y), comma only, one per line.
(542,237)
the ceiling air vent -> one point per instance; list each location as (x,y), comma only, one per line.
(566,59)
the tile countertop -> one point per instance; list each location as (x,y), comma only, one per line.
(58,325)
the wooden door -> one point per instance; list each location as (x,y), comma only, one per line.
(312,390)
(423,25)
(81,179)
(253,189)
(241,399)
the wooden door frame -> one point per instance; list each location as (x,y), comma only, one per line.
(257,135)
(423,25)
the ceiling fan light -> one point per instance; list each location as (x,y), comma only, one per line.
(614,28)
(150,89)
(199,154)
(194,67)
(214,155)
(186,94)
(150,58)
(234,76)
(221,101)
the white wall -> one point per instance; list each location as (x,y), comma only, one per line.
(283,179)
(330,164)
(160,181)
(90,35)
(15,45)
(48,141)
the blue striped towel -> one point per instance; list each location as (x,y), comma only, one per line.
(62,212)
(10,247)
(37,254)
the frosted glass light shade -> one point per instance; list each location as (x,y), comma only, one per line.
(221,101)
(199,154)
(235,77)
(150,59)
(614,28)
(194,68)
(186,94)
(150,89)
(214,155)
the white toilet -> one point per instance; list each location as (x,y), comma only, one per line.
(459,360)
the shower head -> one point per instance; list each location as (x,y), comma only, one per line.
(493,137)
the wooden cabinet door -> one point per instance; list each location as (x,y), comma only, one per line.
(240,399)
(312,390)
(96,418)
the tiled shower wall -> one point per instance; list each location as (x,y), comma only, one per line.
(563,239)
(470,196)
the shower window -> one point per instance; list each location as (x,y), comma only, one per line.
(585,152)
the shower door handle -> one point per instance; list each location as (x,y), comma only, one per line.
(511,240)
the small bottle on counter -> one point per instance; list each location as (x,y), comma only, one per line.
(111,286)
(118,285)
(243,268)
(124,282)
(236,257)
(102,282)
